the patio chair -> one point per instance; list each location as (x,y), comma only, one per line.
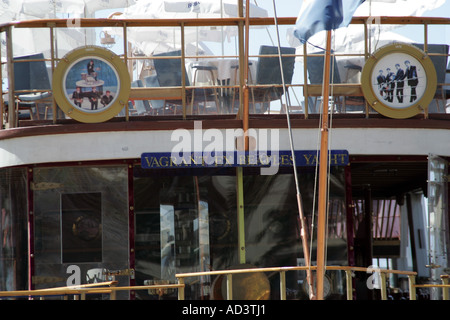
(157,106)
(440,64)
(268,76)
(31,84)
(142,106)
(346,102)
(169,74)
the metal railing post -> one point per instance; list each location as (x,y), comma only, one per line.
(445,290)
(229,286)
(349,282)
(181,289)
(283,285)
(383,286)
(412,288)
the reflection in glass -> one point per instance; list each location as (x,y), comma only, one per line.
(102,190)
(167,242)
(191,225)
(437,219)
(190,219)
(13,227)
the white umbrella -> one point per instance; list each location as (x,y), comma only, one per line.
(28,41)
(167,9)
(33,9)
(50,9)
(397,7)
(182,9)
(97,5)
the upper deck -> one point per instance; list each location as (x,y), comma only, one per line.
(223,103)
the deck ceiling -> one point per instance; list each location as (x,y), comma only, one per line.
(388,179)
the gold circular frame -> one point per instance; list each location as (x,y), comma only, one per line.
(79,55)
(388,53)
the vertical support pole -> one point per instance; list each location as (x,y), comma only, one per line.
(230,286)
(183,77)
(240,208)
(283,285)
(323,170)
(126,48)
(113,295)
(181,289)
(10,67)
(445,290)
(349,282)
(305,76)
(349,210)
(383,286)
(244,84)
(241,57)
(52,54)
(30,228)
(412,288)
(425,48)
(366,56)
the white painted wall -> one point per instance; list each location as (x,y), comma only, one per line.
(131,144)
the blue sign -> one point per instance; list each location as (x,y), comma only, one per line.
(282,158)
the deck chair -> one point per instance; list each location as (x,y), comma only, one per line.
(440,64)
(142,106)
(31,78)
(156,105)
(169,74)
(268,75)
(314,67)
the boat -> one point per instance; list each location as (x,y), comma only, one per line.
(167,171)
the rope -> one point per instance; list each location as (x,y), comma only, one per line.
(284,96)
(307,255)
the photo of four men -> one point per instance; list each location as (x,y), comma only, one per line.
(84,87)
(391,83)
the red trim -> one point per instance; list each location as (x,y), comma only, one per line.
(388,158)
(31,270)
(35,128)
(349,213)
(350,223)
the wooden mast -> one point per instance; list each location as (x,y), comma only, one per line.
(323,173)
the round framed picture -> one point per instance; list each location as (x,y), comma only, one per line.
(91,84)
(399,81)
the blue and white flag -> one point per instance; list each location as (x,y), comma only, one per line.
(318,15)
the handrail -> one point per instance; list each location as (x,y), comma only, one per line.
(109,287)
(100,287)
(195,22)
(349,89)
(348,271)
